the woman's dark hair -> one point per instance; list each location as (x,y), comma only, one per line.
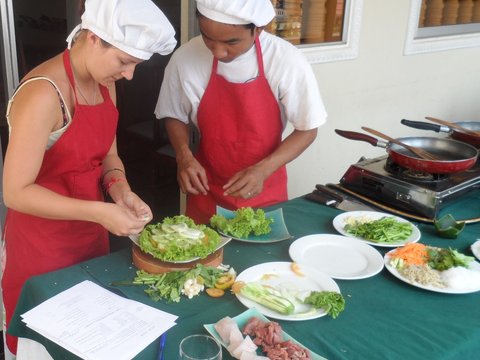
(250,26)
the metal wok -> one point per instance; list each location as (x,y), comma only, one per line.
(454,134)
(455,156)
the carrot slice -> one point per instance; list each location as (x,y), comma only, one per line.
(296,269)
(412,254)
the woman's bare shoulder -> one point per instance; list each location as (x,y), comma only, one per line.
(54,70)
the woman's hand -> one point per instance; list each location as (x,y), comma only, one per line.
(121,220)
(132,202)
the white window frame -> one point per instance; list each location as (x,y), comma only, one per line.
(339,51)
(419,45)
(315,53)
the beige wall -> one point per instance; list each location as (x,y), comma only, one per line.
(379,88)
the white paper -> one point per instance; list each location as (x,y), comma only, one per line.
(96,324)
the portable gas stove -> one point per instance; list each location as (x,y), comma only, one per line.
(416,192)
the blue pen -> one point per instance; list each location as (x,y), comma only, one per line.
(161,346)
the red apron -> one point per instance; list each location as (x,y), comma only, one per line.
(240,124)
(71,167)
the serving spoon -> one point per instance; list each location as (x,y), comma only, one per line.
(423,154)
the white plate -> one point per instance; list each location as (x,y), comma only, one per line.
(338,256)
(339,224)
(242,320)
(280,274)
(475,266)
(475,247)
(223,241)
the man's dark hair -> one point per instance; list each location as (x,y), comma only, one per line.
(250,26)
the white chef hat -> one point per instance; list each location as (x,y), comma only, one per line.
(237,12)
(137,27)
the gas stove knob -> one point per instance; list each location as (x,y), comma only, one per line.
(404,197)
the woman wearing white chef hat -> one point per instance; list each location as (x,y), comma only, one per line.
(62,150)
(240,86)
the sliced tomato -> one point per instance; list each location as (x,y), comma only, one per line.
(213,292)
(225,281)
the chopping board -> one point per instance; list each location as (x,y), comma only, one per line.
(148,263)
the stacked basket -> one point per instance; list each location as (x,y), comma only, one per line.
(287,23)
(313,24)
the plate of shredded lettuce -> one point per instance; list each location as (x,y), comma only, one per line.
(251,225)
(178,239)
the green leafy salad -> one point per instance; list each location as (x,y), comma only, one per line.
(245,222)
(178,238)
(443,259)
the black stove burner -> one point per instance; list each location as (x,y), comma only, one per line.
(413,175)
(384,181)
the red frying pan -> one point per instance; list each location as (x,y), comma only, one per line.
(453,156)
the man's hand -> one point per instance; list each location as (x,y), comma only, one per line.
(192,177)
(246,183)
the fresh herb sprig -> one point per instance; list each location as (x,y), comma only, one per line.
(332,302)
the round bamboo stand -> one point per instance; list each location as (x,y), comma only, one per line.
(148,263)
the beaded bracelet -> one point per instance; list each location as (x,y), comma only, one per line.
(111,182)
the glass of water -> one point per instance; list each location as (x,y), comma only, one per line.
(200,347)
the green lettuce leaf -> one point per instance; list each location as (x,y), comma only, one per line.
(160,241)
(245,222)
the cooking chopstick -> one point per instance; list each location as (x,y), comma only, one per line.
(454,126)
(423,154)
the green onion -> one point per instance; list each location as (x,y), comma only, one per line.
(386,229)
(267,297)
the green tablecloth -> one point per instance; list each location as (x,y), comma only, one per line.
(384,318)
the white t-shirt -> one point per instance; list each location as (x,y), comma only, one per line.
(288,72)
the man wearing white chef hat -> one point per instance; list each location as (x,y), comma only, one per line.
(62,146)
(240,86)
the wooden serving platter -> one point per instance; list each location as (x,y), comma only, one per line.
(148,263)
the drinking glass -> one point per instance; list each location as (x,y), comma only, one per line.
(200,347)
